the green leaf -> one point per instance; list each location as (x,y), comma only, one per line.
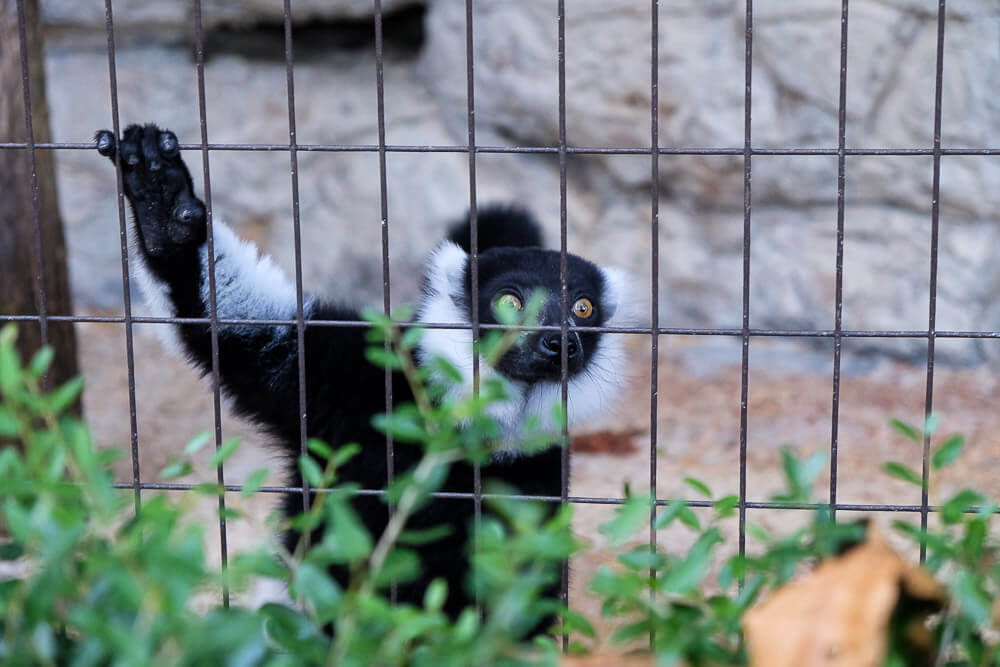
(10,363)
(558,415)
(574,622)
(900,471)
(60,398)
(698,486)
(687,575)
(954,508)
(628,518)
(41,361)
(446,369)
(383,358)
(948,452)
(642,558)
(9,426)
(936,543)
(402,426)
(311,471)
(208,489)
(931,423)
(906,430)
(224,451)
(229,513)
(319,448)
(677,509)
(346,539)
(177,469)
(726,506)
(415,537)
(197,442)
(973,601)
(254,482)
(435,595)
(400,566)
(319,590)
(411,337)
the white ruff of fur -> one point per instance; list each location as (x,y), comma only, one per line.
(247,286)
(588,393)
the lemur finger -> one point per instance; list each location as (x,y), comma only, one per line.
(168,144)
(106,143)
(129,146)
(150,147)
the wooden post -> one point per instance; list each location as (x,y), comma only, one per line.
(24,276)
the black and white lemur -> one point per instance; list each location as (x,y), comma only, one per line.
(259,366)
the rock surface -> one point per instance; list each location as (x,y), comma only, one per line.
(176,18)
(796,59)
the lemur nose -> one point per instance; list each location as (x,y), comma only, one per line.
(551,345)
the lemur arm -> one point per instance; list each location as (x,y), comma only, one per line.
(258,363)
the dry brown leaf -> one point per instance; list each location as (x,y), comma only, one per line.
(606,442)
(838,615)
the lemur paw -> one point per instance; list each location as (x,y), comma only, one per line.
(158,186)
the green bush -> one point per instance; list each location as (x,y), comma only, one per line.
(89,578)
(86,579)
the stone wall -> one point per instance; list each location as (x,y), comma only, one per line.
(796,62)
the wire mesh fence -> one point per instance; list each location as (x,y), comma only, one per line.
(562,151)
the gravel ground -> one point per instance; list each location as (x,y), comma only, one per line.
(697,418)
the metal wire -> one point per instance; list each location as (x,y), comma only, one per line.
(29,133)
(123,238)
(745,332)
(562,151)
(932,299)
(212,293)
(838,316)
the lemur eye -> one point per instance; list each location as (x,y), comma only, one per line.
(583,308)
(508,302)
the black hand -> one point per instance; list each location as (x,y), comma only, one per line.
(158,187)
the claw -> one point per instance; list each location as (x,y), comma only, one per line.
(105,143)
(168,144)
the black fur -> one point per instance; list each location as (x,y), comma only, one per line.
(498,226)
(259,366)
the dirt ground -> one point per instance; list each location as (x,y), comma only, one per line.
(697,419)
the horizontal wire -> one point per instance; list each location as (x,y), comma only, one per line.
(579,500)
(575,150)
(457,326)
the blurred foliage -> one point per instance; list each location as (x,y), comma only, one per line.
(89,578)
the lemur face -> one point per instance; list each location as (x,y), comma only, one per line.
(509,277)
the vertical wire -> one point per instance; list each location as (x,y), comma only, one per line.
(384,211)
(212,295)
(300,325)
(123,238)
(745,359)
(839,287)
(654,280)
(29,138)
(563,288)
(470,87)
(932,300)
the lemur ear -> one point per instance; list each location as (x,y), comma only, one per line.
(616,297)
(446,270)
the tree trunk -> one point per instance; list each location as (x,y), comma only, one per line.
(20,272)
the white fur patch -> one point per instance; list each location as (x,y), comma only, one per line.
(156,295)
(247,284)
